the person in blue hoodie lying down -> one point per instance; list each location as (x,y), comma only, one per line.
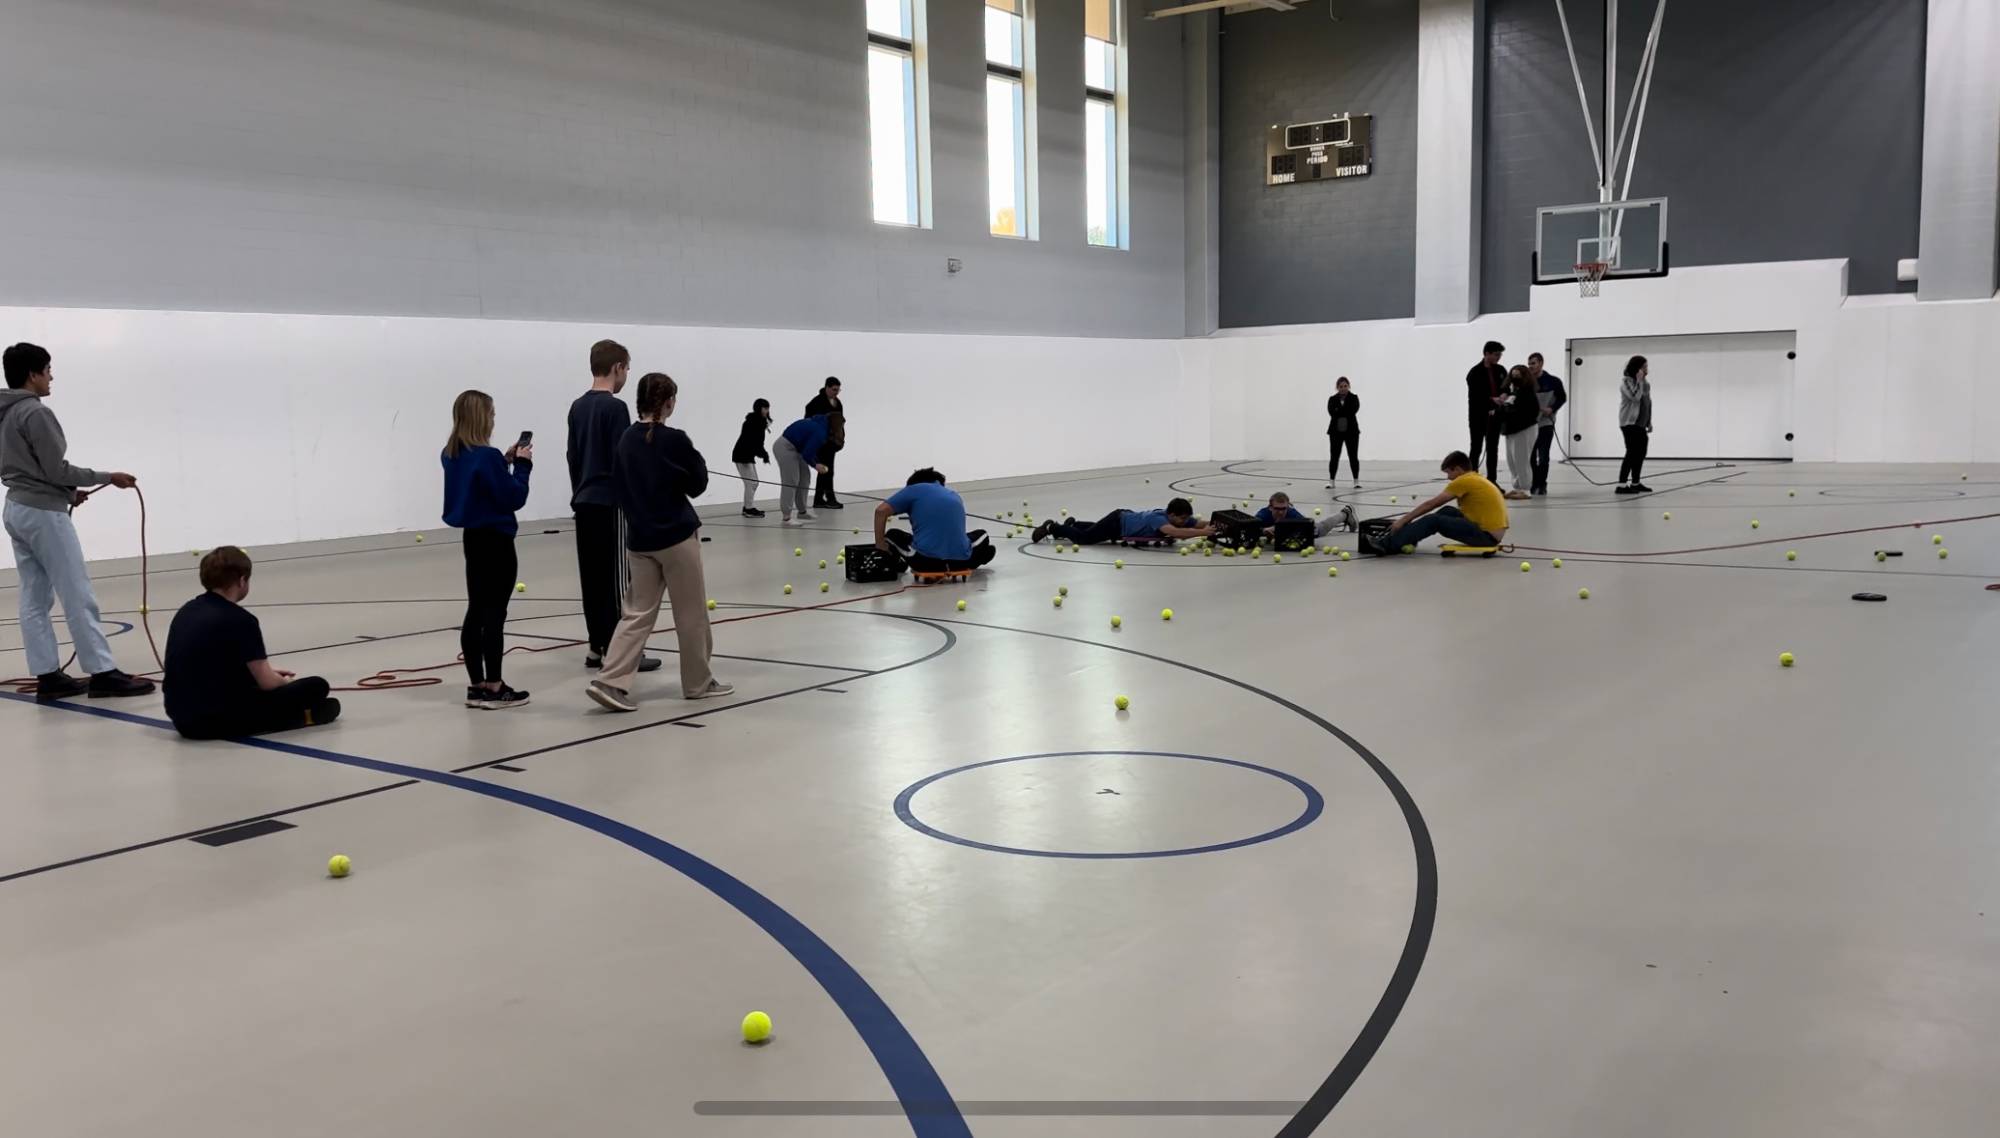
(1282,510)
(483,488)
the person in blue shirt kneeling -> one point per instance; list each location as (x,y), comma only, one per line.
(937,514)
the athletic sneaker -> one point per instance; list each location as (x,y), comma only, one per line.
(1042,531)
(1347,519)
(1626,488)
(500,700)
(53,686)
(752,512)
(807,518)
(610,698)
(829,504)
(716,689)
(475,696)
(115,684)
(1517,495)
(1641,488)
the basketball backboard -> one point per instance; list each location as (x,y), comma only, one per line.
(1628,237)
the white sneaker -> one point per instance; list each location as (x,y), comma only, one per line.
(808,517)
(716,689)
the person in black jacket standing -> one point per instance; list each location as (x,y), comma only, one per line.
(658,471)
(1550,394)
(1485,387)
(1343,427)
(749,451)
(596,421)
(826,403)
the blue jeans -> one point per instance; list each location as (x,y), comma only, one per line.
(1446,520)
(49,559)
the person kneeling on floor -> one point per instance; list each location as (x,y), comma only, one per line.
(1282,510)
(220,685)
(1478,519)
(1174,522)
(937,514)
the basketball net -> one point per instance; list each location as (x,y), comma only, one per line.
(1590,276)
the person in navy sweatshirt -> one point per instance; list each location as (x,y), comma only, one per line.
(799,452)
(482,489)
(1281,510)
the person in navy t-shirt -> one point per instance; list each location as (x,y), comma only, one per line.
(1173,523)
(937,514)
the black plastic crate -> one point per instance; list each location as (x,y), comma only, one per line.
(866,564)
(1236,529)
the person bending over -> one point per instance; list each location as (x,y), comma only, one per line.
(1282,510)
(220,683)
(937,514)
(1479,516)
(1175,522)
(802,448)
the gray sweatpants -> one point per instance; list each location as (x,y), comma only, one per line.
(797,477)
(1520,457)
(747,471)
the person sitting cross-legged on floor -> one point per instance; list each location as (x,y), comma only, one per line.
(1479,518)
(219,683)
(1282,510)
(937,514)
(1174,522)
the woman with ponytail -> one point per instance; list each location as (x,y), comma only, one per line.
(657,472)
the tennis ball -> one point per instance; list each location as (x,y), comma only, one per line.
(1166,614)
(840,558)
(802,553)
(1315,511)
(1346,556)
(1122,703)
(756,1027)
(961,606)
(1117,622)
(1024,503)
(1791,555)
(1784,659)
(1667,517)
(788,590)
(1056,601)
(1064,512)
(1333,570)
(823,586)
(1118,564)
(1791,493)
(1755,524)
(1961,478)
(1583,594)
(822,562)
(1409,549)
(1062,590)
(711,604)
(1277,559)
(1184,553)
(1392,499)
(1229,553)
(420,539)
(1257,551)
(1207,551)
(1556,564)
(520,586)
(857,529)
(1881,555)
(143,610)
(1943,553)
(1525,567)
(338,866)
(1937,539)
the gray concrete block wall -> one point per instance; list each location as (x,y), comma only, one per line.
(1328,252)
(658,161)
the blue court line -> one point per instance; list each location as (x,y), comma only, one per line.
(931,1111)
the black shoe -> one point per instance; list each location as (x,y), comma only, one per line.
(1641,488)
(1626,488)
(830,504)
(1042,531)
(115,684)
(323,713)
(649,663)
(752,512)
(593,660)
(52,686)
(500,700)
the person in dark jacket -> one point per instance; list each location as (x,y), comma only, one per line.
(220,682)
(1549,393)
(1485,387)
(1343,428)
(658,472)
(1520,416)
(597,420)
(482,490)
(827,402)
(749,451)
(802,448)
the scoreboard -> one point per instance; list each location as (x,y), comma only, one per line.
(1340,147)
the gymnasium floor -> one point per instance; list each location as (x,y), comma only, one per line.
(1452,851)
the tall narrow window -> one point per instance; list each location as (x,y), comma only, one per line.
(1103,112)
(1009,118)
(896,145)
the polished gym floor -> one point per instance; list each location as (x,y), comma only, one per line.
(1433,847)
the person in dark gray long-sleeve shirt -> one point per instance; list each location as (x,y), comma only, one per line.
(42,488)
(597,420)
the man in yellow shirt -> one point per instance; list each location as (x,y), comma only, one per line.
(1478,518)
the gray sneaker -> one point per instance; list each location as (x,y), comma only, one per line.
(610,698)
(716,689)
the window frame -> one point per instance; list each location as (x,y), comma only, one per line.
(1027,212)
(1117,99)
(916,112)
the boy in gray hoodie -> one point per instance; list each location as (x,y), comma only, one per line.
(42,489)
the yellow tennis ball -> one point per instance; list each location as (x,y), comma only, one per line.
(1117,622)
(1791,493)
(1333,570)
(520,586)
(1556,564)
(1166,614)
(711,604)
(961,606)
(1583,594)
(1755,524)
(798,553)
(1666,517)
(855,530)
(840,559)
(1207,551)
(1943,553)
(1062,590)
(1063,512)
(1881,556)
(756,1027)
(1392,499)
(1277,559)
(822,562)
(1024,503)
(338,866)
(1184,553)
(1315,511)
(1346,556)
(1122,703)
(788,590)
(143,610)
(1409,549)
(1937,539)
(1118,564)
(1791,555)
(1257,551)
(823,586)
(1056,601)
(420,539)
(1784,659)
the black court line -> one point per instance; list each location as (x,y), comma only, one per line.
(243,833)
(508,769)
(696,726)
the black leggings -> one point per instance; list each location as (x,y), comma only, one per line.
(490,569)
(288,707)
(1635,454)
(1352,440)
(1107,528)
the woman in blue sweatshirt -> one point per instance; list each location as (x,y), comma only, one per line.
(798,451)
(481,494)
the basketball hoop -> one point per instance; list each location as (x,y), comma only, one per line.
(1590,276)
